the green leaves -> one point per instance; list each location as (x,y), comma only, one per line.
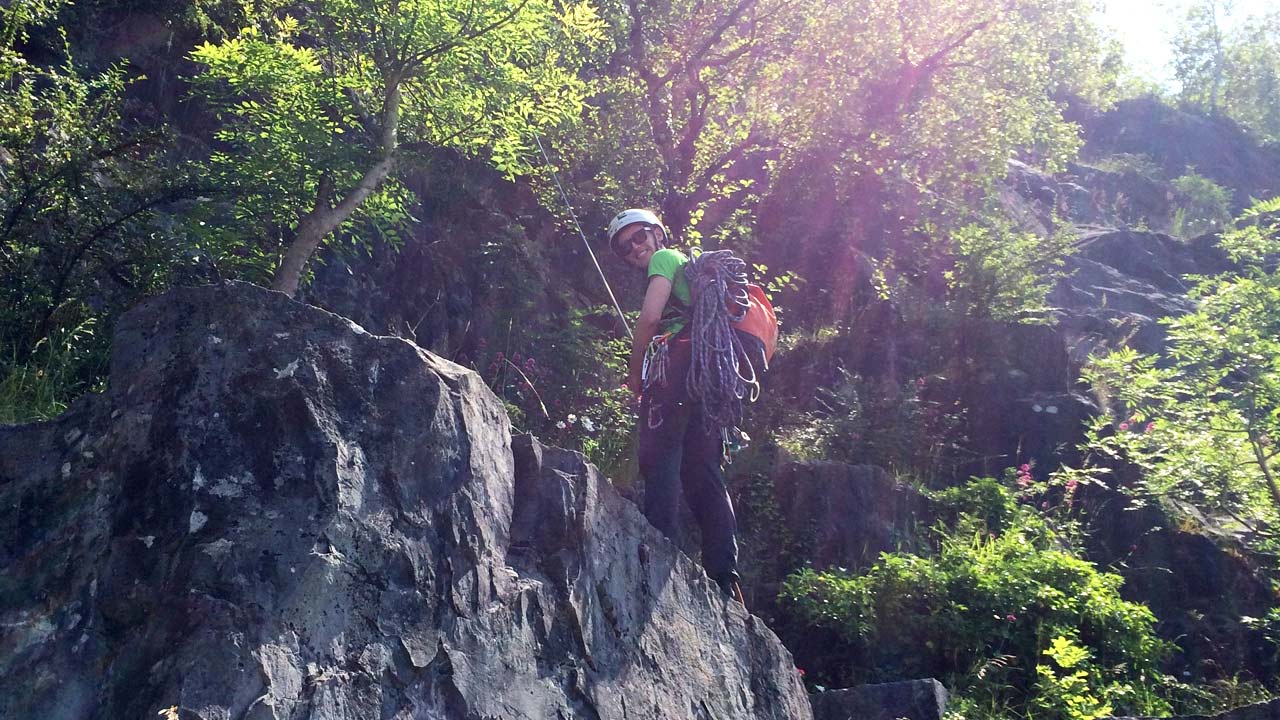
(1007,614)
(1003,272)
(1203,419)
(1202,206)
(318,111)
(83,228)
(1231,68)
(1065,691)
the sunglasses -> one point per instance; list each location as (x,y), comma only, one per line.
(628,246)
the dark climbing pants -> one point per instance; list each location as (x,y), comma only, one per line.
(678,453)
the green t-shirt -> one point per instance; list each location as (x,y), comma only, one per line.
(670,264)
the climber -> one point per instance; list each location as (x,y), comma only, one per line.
(676,449)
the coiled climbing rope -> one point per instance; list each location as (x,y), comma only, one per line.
(721,374)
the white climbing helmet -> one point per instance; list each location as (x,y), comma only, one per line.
(631,217)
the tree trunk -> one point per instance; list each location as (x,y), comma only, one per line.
(323,219)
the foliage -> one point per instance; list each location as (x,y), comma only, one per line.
(1202,206)
(1200,53)
(573,396)
(1139,164)
(1062,685)
(943,94)
(1234,71)
(778,124)
(1008,617)
(1003,273)
(686,92)
(62,367)
(1252,94)
(1201,420)
(317,111)
(918,112)
(858,420)
(85,193)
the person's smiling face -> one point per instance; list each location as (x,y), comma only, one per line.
(640,242)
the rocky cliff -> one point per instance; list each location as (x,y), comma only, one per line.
(272,514)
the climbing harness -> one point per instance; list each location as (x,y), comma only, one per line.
(721,372)
(573,216)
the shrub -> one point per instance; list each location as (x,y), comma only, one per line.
(899,427)
(1200,419)
(565,386)
(1203,206)
(1005,612)
(42,386)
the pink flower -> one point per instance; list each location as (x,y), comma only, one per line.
(1044,505)
(1024,481)
(801,671)
(1150,426)
(1124,425)
(1024,468)
(1010,617)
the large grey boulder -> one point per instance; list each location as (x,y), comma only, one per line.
(910,699)
(273,514)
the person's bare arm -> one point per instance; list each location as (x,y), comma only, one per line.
(655,299)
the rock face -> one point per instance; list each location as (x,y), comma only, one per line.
(846,515)
(911,699)
(273,514)
(1198,583)
(1121,282)
(1177,140)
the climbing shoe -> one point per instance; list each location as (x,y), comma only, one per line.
(730,587)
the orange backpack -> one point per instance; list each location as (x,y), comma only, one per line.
(758,320)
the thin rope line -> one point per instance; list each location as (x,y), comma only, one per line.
(572,215)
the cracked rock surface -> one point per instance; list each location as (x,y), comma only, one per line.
(273,514)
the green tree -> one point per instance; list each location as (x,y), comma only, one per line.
(1200,54)
(909,113)
(83,190)
(318,112)
(1202,419)
(823,133)
(682,110)
(1252,88)
(1233,70)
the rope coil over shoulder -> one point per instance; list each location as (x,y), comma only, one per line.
(721,373)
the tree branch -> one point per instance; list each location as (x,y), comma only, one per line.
(416,61)
(717,34)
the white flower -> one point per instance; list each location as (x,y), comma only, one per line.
(572,418)
(561,425)
(590,426)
